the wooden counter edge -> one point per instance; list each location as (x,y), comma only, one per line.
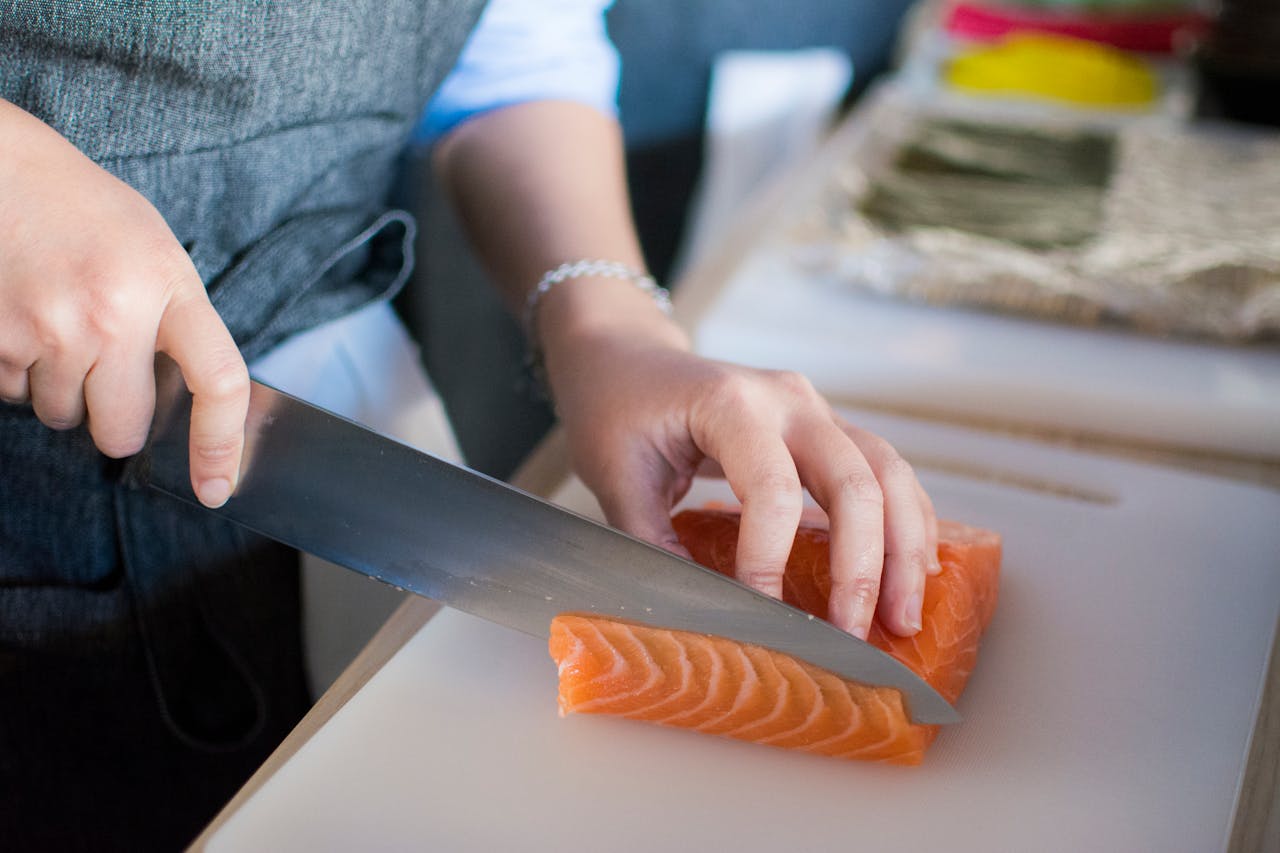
(1255,825)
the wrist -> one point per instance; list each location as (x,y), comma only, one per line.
(589,269)
(580,307)
(589,309)
(585,322)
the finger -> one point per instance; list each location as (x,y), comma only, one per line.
(56,386)
(193,334)
(120,396)
(843,483)
(763,476)
(709,467)
(644,513)
(906,534)
(14,385)
(933,567)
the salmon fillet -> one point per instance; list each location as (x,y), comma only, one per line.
(725,687)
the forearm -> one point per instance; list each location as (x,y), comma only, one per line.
(542,183)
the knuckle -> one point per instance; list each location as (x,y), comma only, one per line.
(914,557)
(118,433)
(760,578)
(795,383)
(216,451)
(864,589)
(776,490)
(898,471)
(58,328)
(171,264)
(118,447)
(731,392)
(98,304)
(59,420)
(857,487)
(226,380)
(112,310)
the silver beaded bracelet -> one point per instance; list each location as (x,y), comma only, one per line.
(581,269)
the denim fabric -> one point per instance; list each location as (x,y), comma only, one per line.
(149,653)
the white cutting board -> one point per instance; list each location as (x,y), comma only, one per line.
(1110,709)
(879,351)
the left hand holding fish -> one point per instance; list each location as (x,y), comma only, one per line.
(644,415)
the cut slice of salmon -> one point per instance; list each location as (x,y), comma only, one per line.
(721,686)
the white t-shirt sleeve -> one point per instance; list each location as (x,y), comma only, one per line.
(528,51)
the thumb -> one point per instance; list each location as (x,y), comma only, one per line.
(643,512)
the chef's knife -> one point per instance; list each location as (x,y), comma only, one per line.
(335,489)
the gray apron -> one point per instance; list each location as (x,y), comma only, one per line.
(149,655)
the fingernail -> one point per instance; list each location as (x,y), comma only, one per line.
(934,567)
(914,605)
(859,631)
(214,493)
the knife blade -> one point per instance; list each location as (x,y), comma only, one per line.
(333,488)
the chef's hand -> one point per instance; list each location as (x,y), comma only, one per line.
(92,284)
(643,414)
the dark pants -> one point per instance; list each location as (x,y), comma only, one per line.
(150,654)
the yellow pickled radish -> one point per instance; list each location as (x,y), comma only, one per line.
(1055,67)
